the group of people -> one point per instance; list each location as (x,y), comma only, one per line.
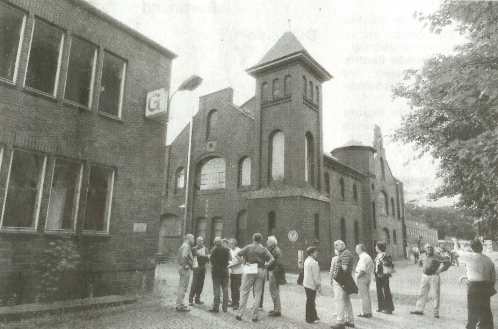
(248,268)
(245,270)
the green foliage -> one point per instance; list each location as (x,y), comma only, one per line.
(448,221)
(454,101)
(60,256)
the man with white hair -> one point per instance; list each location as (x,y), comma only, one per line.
(364,271)
(185,262)
(273,273)
(340,270)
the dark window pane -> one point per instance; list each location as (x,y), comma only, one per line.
(63,203)
(98,199)
(112,81)
(44,57)
(11,22)
(80,71)
(24,184)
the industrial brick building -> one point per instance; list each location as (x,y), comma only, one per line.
(260,167)
(79,161)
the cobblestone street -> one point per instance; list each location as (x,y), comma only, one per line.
(157,313)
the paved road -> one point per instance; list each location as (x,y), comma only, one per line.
(154,312)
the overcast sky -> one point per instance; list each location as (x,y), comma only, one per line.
(366,45)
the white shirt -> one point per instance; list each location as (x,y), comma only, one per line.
(365,264)
(236,263)
(311,278)
(479,267)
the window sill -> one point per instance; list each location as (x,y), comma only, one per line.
(36,92)
(13,230)
(244,188)
(275,101)
(76,105)
(213,191)
(310,103)
(60,233)
(111,117)
(96,234)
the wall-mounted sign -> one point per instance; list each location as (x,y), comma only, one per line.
(139,227)
(156,104)
(293,236)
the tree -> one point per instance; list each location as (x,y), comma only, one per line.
(454,107)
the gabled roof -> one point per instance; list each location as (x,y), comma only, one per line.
(289,48)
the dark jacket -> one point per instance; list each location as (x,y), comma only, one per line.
(201,259)
(220,257)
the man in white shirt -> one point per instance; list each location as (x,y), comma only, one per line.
(235,266)
(364,270)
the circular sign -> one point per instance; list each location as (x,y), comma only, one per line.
(293,236)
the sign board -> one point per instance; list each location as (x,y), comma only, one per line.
(139,227)
(156,104)
(293,236)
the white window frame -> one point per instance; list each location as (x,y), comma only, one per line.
(121,87)
(76,201)
(59,59)
(19,47)
(41,182)
(108,208)
(92,78)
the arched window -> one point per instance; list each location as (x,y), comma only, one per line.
(212,174)
(309,159)
(277,156)
(382,168)
(326,178)
(245,172)
(343,230)
(212,121)
(387,236)
(383,203)
(355,192)
(395,237)
(317,94)
(287,85)
(393,208)
(276,92)
(374,215)
(241,233)
(265,95)
(201,228)
(316,226)
(272,222)
(356,233)
(216,228)
(180,179)
(341,185)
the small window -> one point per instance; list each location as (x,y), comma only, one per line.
(276,92)
(310,93)
(44,57)
(212,124)
(99,199)
(180,179)
(212,174)
(272,222)
(305,86)
(81,72)
(12,22)
(326,178)
(112,85)
(245,172)
(25,183)
(316,226)
(343,230)
(64,195)
(342,187)
(287,85)
(265,97)
(355,192)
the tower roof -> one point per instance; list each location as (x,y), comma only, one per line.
(289,48)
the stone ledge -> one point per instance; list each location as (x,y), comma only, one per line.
(17,312)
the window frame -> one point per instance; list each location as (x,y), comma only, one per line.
(39,194)
(241,176)
(178,171)
(272,176)
(59,59)
(19,44)
(122,86)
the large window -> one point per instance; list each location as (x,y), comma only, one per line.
(212,174)
(277,156)
(276,92)
(245,172)
(81,72)
(99,199)
(64,195)
(45,57)
(112,85)
(24,181)
(12,23)
(212,122)
(309,159)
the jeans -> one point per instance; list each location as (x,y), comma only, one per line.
(344,307)
(220,283)
(235,282)
(311,314)
(478,305)
(182,286)
(429,283)
(363,283)
(250,281)
(274,292)
(384,297)
(199,274)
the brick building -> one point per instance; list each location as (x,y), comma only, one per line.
(79,161)
(260,167)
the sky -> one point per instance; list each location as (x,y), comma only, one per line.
(366,45)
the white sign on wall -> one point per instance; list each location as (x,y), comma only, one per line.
(293,236)
(156,104)
(139,227)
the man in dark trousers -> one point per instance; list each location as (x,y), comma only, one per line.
(201,257)
(383,267)
(220,258)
